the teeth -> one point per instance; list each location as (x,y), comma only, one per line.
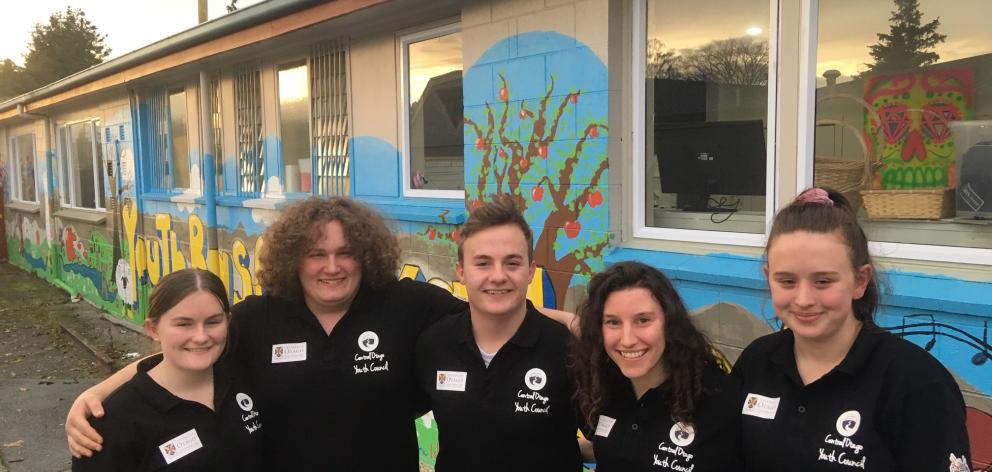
(497,292)
(633,354)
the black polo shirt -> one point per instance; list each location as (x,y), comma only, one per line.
(146,428)
(514,415)
(635,435)
(887,406)
(344,401)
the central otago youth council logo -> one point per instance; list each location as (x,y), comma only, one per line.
(848,423)
(681,434)
(535,379)
(244,401)
(368,341)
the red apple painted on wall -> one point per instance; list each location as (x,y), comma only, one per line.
(504,94)
(431,234)
(480,143)
(572,228)
(542,151)
(537,193)
(595,199)
(524,165)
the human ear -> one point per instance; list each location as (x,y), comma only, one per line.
(862,276)
(151,328)
(460,272)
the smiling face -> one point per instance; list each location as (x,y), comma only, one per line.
(192,333)
(330,275)
(634,336)
(496,271)
(813,286)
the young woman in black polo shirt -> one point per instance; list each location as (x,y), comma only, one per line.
(649,387)
(183,410)
(834,392)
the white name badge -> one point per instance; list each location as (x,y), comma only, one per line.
(760,406)
(604,426)
(451,381)
(180,446)
(289,352)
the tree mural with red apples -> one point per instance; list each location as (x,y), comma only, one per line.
(550,156)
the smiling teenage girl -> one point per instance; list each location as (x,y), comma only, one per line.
(834,392)
(183,410)
(648,382)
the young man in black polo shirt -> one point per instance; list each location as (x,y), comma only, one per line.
(496,373)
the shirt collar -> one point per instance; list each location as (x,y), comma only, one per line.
(526,336)
(163,400)
(783,353)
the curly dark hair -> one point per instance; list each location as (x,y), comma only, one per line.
(299,227)
(687,351)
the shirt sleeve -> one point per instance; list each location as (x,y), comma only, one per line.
(929,431)
(239,340)
(438,302)
(121,447)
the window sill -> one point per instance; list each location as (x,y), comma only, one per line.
(93,217)
(173,197)
(263,203)
(422,210)
(24,207)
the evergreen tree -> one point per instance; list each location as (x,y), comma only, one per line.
(67,44)
(909,44)
(10,79)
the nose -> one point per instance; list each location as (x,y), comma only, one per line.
(331,264)
(200,333)
(627,337)
(804,295)
(498,273)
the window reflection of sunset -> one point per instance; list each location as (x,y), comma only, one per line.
(293,84)
(432,58)
(847,27)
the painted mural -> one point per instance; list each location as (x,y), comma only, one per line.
(162,252)
(914,132)
(535,129)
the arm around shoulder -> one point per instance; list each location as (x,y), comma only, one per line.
(82,438)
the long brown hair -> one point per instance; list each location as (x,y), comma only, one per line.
(687,351)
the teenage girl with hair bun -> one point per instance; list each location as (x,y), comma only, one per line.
(833,391)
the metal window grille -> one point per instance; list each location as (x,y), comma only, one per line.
(248,126)
(329,116)
(158,138)
(217,124)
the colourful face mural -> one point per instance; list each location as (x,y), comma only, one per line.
(913,125)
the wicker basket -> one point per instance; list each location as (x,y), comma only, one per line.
(847,176)
(916,204)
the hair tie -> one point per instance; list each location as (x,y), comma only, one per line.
(815,195)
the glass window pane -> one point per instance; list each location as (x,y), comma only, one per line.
(904,109)
(436,134)
(81,135)
(294,128)
(66,164)
(706,104)
(101,166)
(178,139)
(25,167)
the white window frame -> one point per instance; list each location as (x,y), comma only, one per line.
(804,166)
(65,182)
(297,61)
(15,175)
(404,110)
(638,59)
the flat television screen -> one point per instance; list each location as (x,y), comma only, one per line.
(696,160)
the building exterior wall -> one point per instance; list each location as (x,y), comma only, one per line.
(546,109)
